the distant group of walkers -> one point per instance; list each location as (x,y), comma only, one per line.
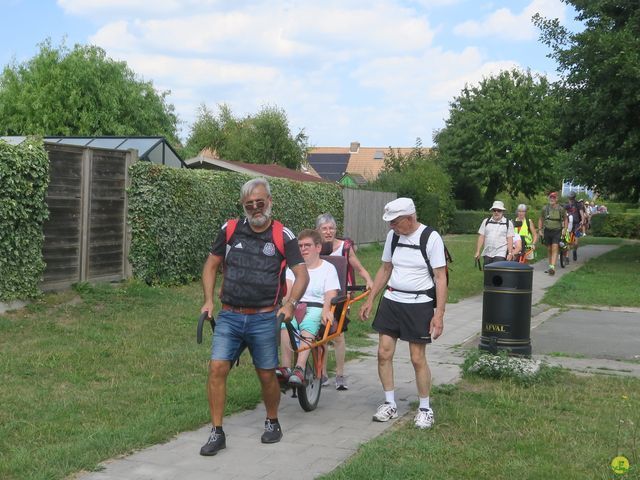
(501,239)
(269,273)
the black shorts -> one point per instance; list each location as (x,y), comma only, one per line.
(407,321)
(552,236)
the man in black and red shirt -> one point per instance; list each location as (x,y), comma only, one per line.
(254,252)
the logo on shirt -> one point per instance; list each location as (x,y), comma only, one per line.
(269,249)
(238,245)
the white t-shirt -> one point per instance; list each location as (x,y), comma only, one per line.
(410,270)
(338,251)
(495,236)
(321,280)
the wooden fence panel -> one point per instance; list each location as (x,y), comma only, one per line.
(363,215)
(62,231)
(107,216)
(86,236)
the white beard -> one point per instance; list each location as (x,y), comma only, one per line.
(260,221)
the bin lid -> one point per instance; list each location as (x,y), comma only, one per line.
(508,266)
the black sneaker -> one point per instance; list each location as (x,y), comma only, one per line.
(272,432)
(216,442)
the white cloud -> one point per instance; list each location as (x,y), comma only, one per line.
(368,70)
(504,23)
(277,31)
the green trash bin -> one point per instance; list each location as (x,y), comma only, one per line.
(506,308)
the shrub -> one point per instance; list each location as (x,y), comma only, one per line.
(623,225)
(176,213)
(467,221)
(619,207)
(24,176)
(424,181)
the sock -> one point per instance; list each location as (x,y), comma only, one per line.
(552,267)
(389,397)
(218,429)
(424,403)
(273,420)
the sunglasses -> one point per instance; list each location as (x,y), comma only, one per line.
(254,205)
(496,210)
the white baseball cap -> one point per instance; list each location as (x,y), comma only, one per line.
(397,208)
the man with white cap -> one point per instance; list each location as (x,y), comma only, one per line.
(407,310)
(496,234)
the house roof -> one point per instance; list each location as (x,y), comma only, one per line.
(365,161)
(204,160)
(331,166)
(152,149)
(356,177)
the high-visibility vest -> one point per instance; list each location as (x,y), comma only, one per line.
(524,232)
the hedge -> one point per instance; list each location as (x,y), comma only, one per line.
(175,214)
(623,225)
(467,221)
(24,176)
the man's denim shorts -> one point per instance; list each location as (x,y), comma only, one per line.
(236,331)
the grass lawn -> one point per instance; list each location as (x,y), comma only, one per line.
(116,369)
(569,427)
(610,279)
(93,373)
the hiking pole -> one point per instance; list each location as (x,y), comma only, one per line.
(204,316)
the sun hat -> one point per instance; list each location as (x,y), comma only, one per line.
(397,208)
(497,205)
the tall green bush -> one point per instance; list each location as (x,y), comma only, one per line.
(467,221)
(426,182)
(24,176)
(623,225)
(175,214)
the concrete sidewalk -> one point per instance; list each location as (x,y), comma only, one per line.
(317,442)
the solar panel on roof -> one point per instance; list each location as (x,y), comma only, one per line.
(329,165)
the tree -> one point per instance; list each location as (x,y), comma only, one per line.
(418,175)
(261,138)
(601,81)
(501,135)
(80,92)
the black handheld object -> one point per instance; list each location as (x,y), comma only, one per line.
(201,321)
(291,331)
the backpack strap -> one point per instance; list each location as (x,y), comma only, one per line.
(424,239)
(347,247)
(232,224)
(278,236)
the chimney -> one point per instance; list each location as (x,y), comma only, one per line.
(354,147)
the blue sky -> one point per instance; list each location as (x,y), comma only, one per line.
(378,72)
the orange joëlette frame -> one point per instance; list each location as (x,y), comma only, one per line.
(327,337)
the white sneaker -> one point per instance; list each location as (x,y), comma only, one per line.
(424,418)
(385,412)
